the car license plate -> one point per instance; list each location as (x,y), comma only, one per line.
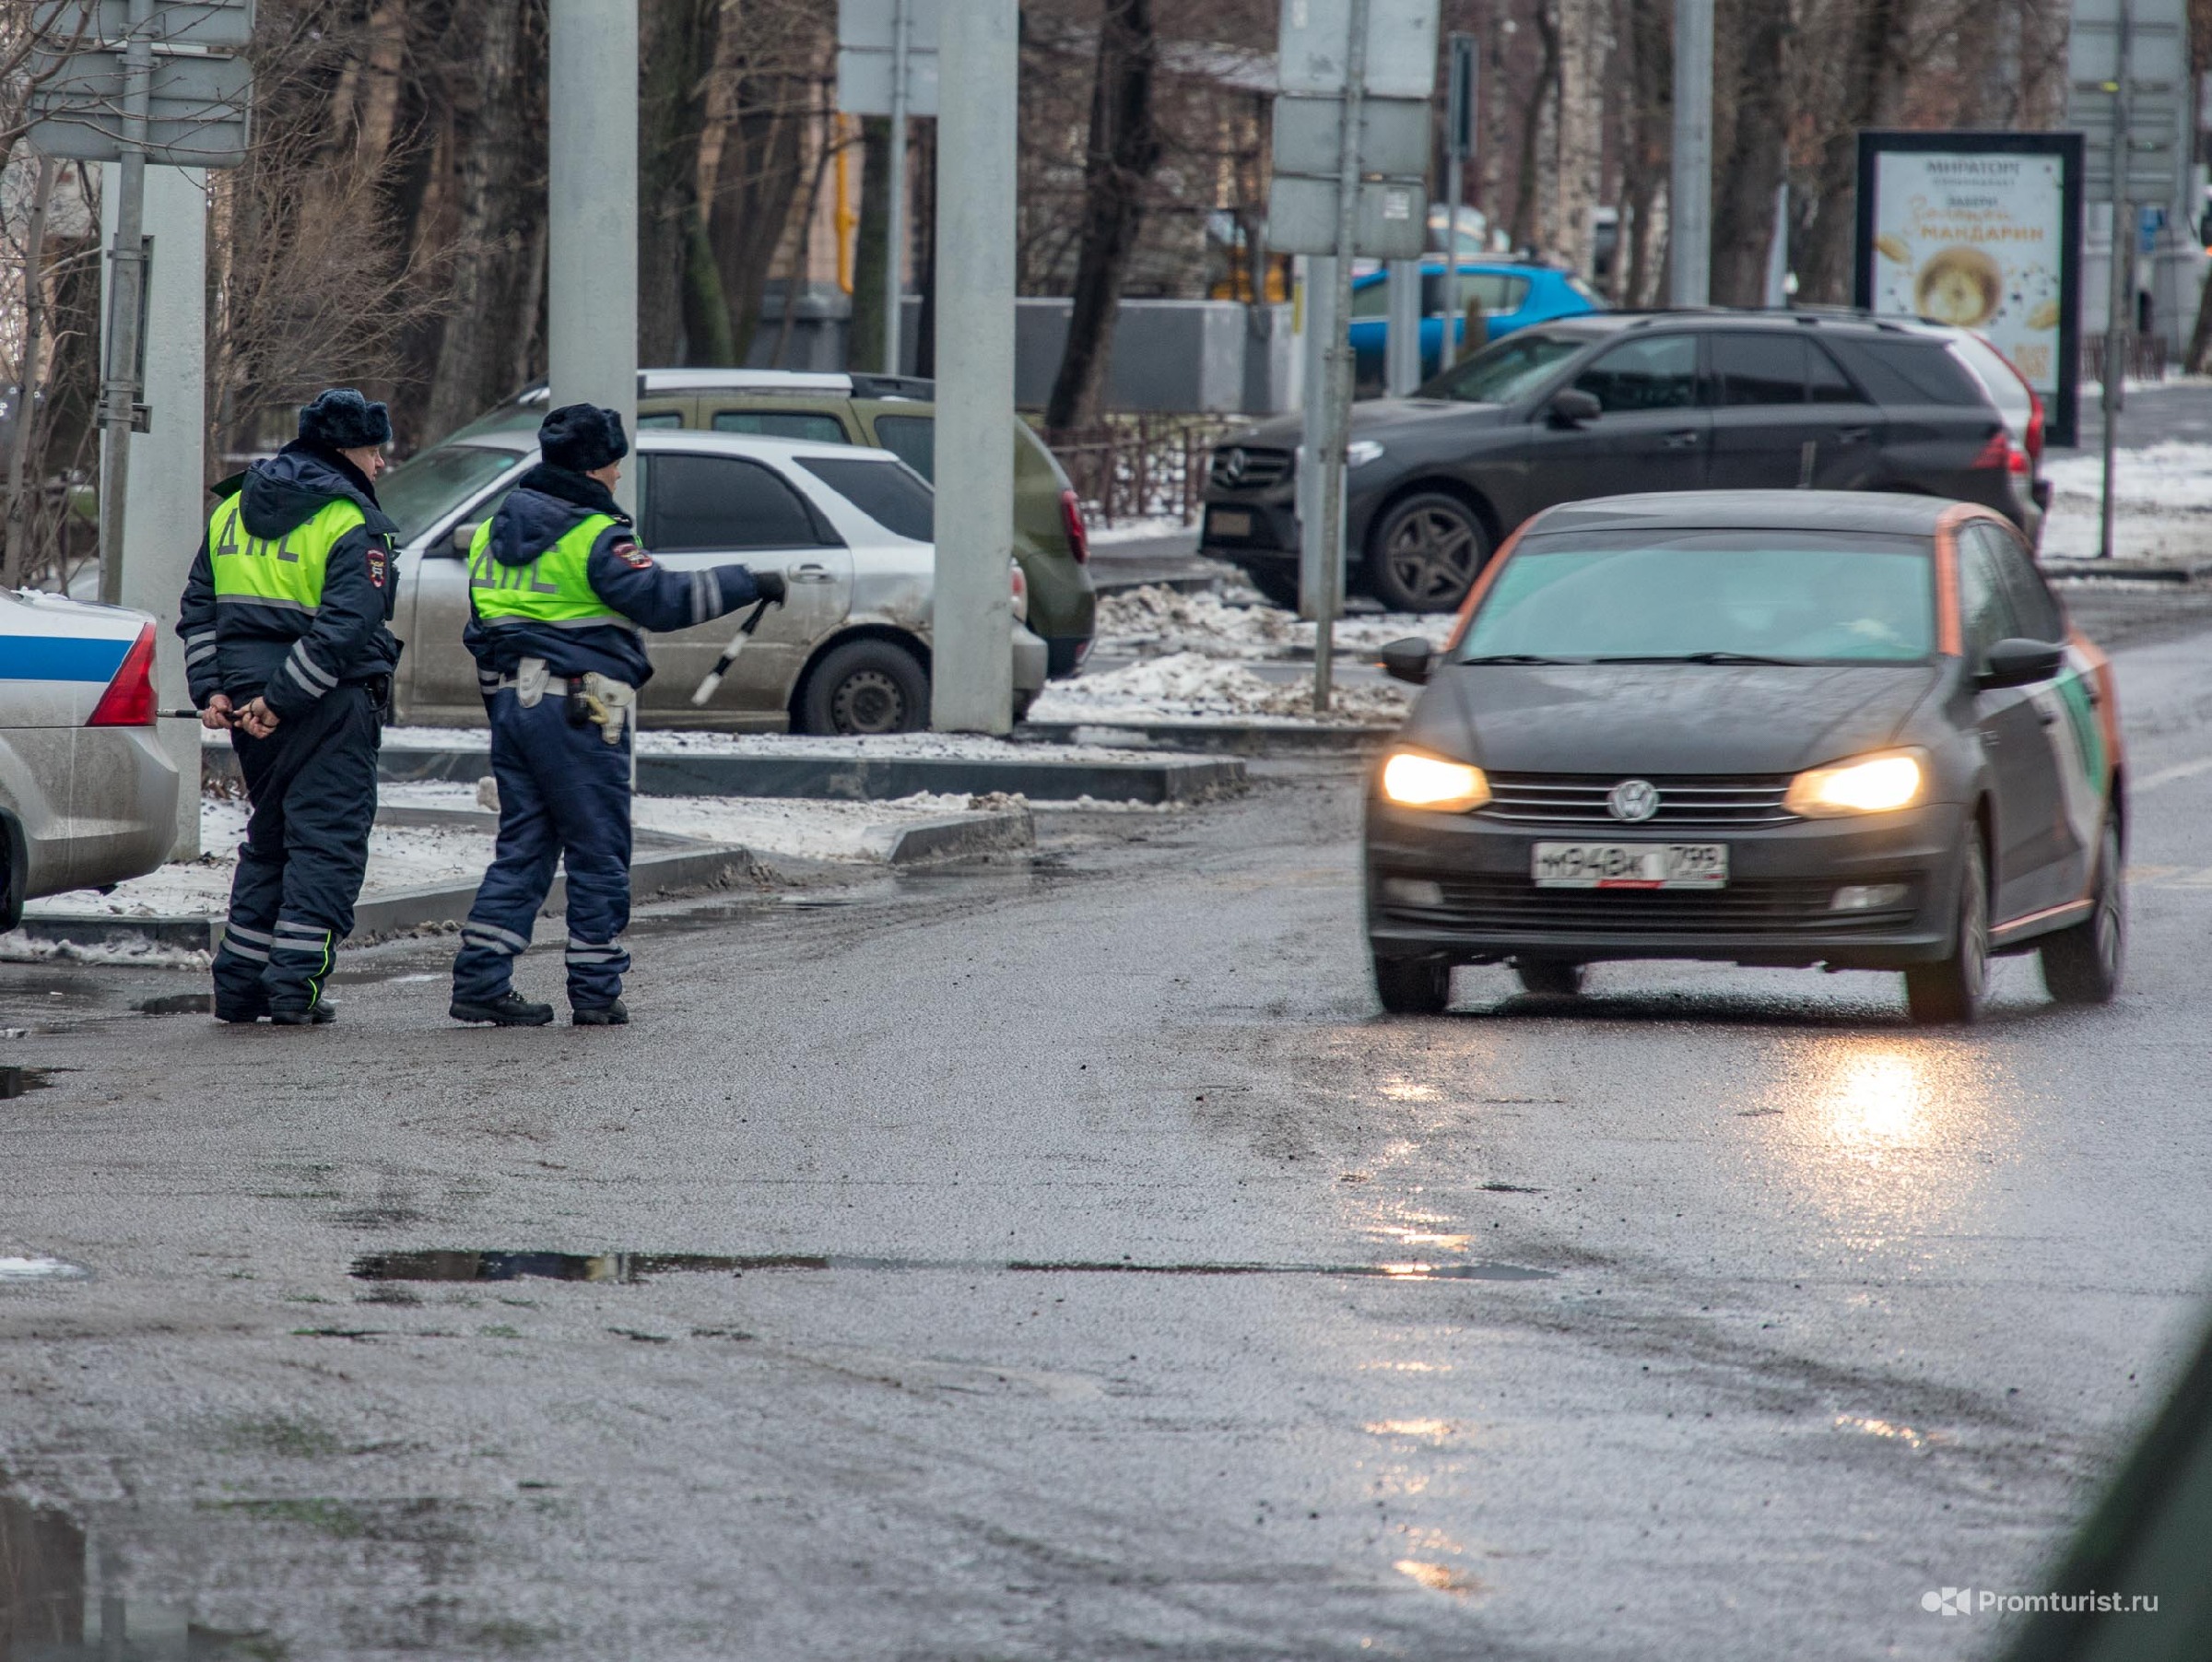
(1630,864)
(1225,522)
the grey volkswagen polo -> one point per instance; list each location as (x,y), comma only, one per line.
(1761,727)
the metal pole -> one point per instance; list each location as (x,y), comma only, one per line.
(1402,341)
(894,284)
(592,202)
(1689,195)
(1447,354)
(119,392)
(971,645)
(1317,543)
(1337,358)
(2120,269)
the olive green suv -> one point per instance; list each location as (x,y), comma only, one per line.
(893,413)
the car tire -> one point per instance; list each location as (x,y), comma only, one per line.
(1425,554)
(1413,986)
(866,688)
(1276,587)
(1549,977)
(2082,965)
(1952,992)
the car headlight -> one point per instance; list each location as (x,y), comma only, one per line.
(1867,784)
(1412,780)
(1360,451)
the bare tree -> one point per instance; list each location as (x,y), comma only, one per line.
(1124,147)
(1749,161)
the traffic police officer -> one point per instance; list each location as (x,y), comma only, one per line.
(558,592)
(284,644)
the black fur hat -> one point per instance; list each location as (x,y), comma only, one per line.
(342,420)
(581,437)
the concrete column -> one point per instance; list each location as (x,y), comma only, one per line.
(971,669)
(591,199)
(165,498)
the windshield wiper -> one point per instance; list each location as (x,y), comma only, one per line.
(1517,657)
(1697,657)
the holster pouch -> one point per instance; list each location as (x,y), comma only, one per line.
(608,702)
(530,680)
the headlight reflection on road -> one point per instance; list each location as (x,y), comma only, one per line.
(1878,1100)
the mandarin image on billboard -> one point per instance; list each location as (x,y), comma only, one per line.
(1983,232)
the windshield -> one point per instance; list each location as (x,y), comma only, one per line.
(1710,596)
(420,491)
(1502,372)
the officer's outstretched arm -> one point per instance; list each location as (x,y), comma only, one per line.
(654,597)
(351,613)
(195,624)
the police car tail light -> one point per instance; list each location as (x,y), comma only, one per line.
(129,700)
(1021,590)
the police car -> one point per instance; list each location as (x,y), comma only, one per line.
(87,794)
(850,528)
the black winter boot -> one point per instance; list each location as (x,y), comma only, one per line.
(509,1010)
(319,1012)
(602,1015)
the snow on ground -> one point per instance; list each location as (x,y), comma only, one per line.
(894,747)
(403,857)
(1140,530)
(18,947)
(1192,687)
(2162,502)
(1155,621)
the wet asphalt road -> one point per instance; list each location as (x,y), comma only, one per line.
(1774,1312)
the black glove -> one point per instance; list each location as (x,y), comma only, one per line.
(769,586)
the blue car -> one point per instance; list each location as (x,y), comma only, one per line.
(1513,296)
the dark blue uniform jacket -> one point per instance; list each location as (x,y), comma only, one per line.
(540,511)
(289,658)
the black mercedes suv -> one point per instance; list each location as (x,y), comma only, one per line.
(1608,404)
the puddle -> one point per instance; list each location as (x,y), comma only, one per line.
(639,1267)
(179,1004)
(39,1267)
(15,1082)
(50,1611)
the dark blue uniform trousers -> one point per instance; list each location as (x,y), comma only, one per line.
(312,787)
(564,796)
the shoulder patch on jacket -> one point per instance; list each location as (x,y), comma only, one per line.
(379,562)
(631,555)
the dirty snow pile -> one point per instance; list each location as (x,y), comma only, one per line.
(18,947)
(2163,502)
(1155,621)
(1189,686)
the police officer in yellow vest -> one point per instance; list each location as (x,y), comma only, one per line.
(284,644)
(561,594)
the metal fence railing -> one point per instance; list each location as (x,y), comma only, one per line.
(2147,358)
(1141,466)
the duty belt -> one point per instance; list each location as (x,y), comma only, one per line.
(592,698)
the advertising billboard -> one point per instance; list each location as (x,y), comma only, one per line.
(1981,231)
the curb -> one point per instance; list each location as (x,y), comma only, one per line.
(853,779)
(650,875)
(964,835)
(1222,738)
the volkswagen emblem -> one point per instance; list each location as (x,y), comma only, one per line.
(1231,468)
(1634,800)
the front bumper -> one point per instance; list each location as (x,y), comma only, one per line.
(1776,908)
(1032,660)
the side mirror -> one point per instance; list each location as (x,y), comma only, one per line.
(464,535)
(2019,662)
(1408,660)
(1571,407)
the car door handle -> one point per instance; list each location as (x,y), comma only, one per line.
(1854,435)
(810,574)
(2047,717)
(1686,439)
